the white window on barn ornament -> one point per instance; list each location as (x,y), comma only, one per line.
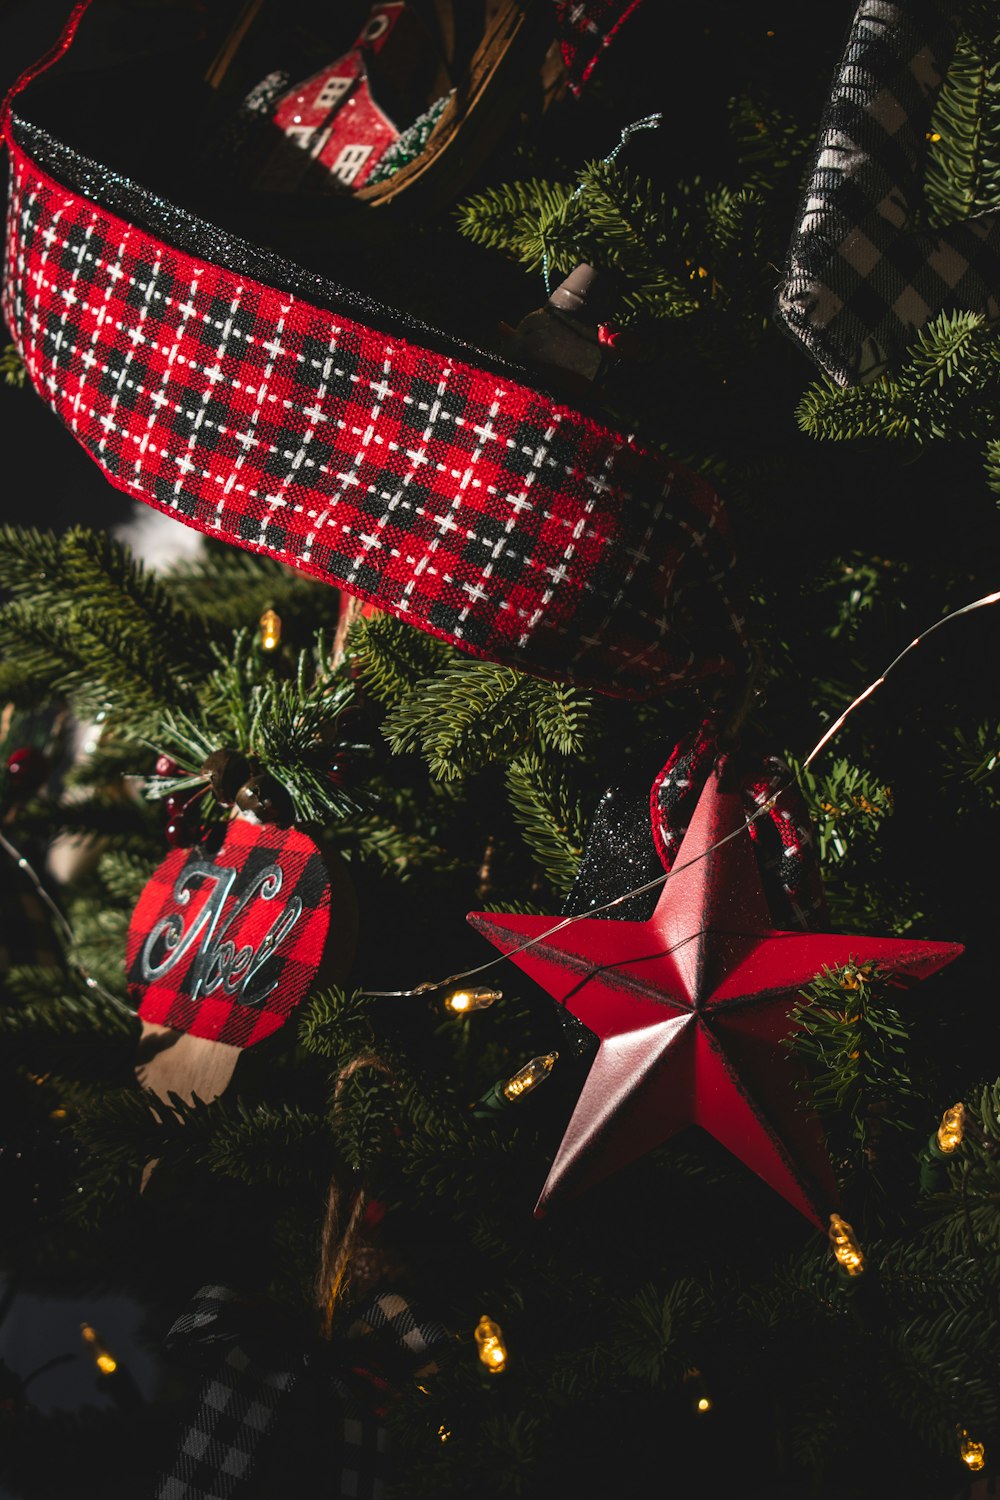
(349,163)
(333,90)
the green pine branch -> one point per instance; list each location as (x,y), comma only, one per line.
(526,220)
(12,366)
(87,621)
(847,806)
(962,175)
(391,836)
(552,820)
(124,874)
(655,1327)
(470,713)
(288,723)
(270,1145)
(336,1026)
(104,815)
(366,1114)
(38,998)
(967,1213)
(391,657)
(947,389)
(855,1044)
(228,590)
(770,144)
(929,1373)
(973,757)
(463,717)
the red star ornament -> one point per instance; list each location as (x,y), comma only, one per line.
(690,1008)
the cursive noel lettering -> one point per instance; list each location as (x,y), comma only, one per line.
(219,963)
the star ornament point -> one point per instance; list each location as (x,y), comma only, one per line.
(690,1009)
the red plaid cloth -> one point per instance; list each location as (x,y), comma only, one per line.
(449,495)
(585,30)
(244,963)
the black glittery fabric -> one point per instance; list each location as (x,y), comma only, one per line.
(184,230)
(618,856)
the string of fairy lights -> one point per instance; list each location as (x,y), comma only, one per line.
(477,999)
(493,1353)
(462,999)
(847,1251)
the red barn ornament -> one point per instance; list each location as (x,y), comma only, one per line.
(226,940)
(333,119)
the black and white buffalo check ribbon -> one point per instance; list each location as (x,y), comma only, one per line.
(262,1386)
(861,279)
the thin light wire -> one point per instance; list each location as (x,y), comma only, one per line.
(873,686)
(64,927)
(428,985)
(648,122)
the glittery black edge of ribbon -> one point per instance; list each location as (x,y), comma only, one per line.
(185,231)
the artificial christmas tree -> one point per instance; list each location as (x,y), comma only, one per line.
(673,553)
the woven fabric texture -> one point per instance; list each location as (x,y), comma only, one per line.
(237,1408)
(256,1374)
(467,504)
(782,836)
(390,1317)
(225,942)
(861,281)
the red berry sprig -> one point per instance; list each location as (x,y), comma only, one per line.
(27,770)
(182,828)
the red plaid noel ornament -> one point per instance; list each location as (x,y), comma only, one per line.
(226,940)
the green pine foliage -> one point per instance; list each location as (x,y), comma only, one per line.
(846,805)
(673,258)
(442,784)
(552,820)
(975,759)
(963,170)
(12,366)
(227,588)
(122,646)
(286,721)
(947,389)
(470,713)
(851,1034)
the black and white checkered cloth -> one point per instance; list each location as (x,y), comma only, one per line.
(254,1379)
(861,281)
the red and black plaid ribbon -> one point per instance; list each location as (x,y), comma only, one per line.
(586,30)
(783,836)
(443,491)
(226,941)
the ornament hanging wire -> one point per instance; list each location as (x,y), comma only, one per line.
(658,880)
(64,927)
(648,122)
